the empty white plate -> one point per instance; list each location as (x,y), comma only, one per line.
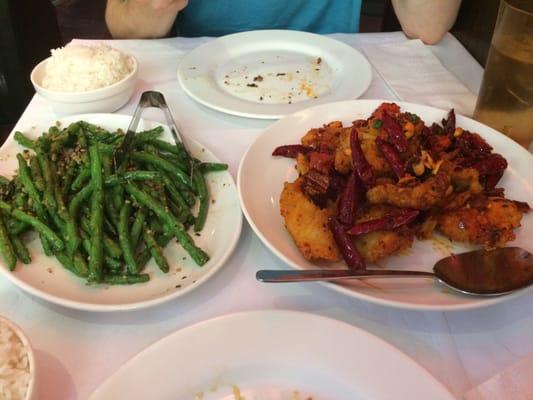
(274,355)
(272,73)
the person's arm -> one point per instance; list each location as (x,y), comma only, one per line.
(428,20)
(141,18)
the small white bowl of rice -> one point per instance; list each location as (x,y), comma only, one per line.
(17,363)
(81,78)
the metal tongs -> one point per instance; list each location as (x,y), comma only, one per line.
(157,100)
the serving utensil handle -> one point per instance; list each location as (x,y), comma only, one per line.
(151,98)
(123,149)
(273,276)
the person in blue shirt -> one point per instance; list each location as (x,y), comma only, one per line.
(217,18)
(428,20)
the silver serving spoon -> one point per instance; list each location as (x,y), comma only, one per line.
(481,272)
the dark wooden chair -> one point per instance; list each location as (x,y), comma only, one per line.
(475,25)
(28,30)
(82,19)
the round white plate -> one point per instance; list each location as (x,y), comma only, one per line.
(47,279)
(260,202)
(276,355)
(272,73)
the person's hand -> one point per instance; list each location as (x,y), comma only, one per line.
(130,19)
(428,20)
(165,5)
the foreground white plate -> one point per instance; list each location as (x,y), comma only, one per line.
(272,73)
(47,279)
(261,177)
(271,355)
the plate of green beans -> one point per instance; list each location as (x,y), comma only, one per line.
(82,229)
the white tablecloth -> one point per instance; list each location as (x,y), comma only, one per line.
(76,351)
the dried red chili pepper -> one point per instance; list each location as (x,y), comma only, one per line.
(392,157)
(349,252)
(395,132)
(438,143)
(360,164)
(436,129)
(495,192)
(448,124)
(391,108)
(492,164)
(522,206)
(291,150)
(387,222)
(473,145)
(336,183)
(320,161)
(425,134)
(360,123)
(492,180)
(349,200)
(315,186)
(324,148)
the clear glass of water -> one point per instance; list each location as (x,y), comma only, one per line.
(505,100)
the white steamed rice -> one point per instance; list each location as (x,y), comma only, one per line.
(80,68)
(14,366)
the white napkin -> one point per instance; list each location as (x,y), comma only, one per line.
(415,75)
(514,383)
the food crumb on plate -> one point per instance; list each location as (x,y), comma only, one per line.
(442,245)
(237,393)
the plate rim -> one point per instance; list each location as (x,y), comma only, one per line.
(133,306)
(272,313)
(480,302)
(269,116)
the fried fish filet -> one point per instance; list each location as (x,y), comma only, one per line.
(327,135)
(307,223)
(419,197)
(343,154)
(376,245)
(489,226)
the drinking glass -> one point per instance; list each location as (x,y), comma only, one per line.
(505,100)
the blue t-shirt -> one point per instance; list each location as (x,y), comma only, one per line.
(221,17)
